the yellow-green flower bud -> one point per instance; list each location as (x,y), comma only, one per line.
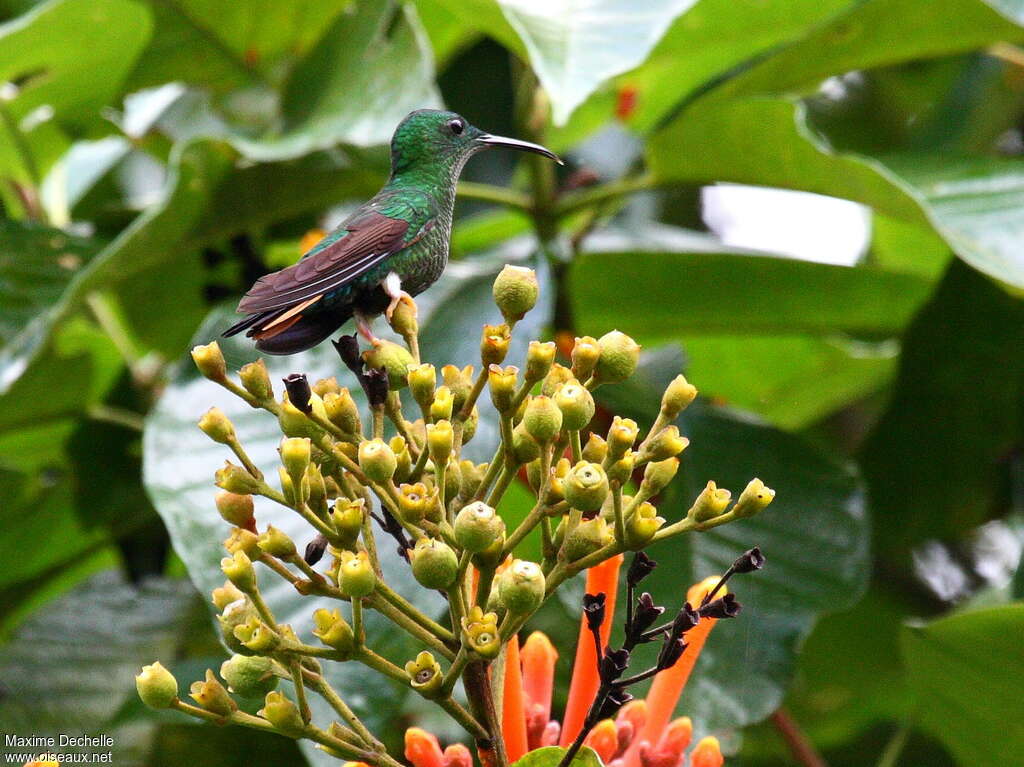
(347,518)
(620,355)
(422,382)
(283,714)
(542,419)
(459,383)
(595,449)
(521,587)
(677,397)
(317,488)
(658,474)
(251,676)
(210,361)
(395,360)
(478,526)
(588,537)
(585,354)
(237,615)
(434,564)
(333,630)
(502,383)
(621,436)
(622,470)
(480,632)
(239,570)
(217,426)
(288,487)
(243,540)
(443,406)
(470,424)
(403,319)
(342,411)
(415,502)
(295,423)
(377,460)
(494,344)
(403,467)
(425,675)
(156,686)
(236,479)
(211,695)
(576,404)
(524,447)
(276,543)
(556,377)
(586,486)
(711,502)
(754,499)
(234,508)
(666,444)
(470,476)
(440,438)
(356,578)
(556,489)
(324,386)
(642,526)
(256,380)
(539,357)
(222,596)
(515,292)
(295,455)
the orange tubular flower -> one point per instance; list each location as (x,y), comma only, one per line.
(513,709)
(601,578)
(457,755)
(669,684)
(707,754)
(604,739)
(422,748)
(538,657)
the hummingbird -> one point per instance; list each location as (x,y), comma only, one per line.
(392,248)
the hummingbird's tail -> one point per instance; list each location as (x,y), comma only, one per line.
(275,334)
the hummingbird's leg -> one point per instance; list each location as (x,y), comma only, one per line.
(392,285)
(364,326)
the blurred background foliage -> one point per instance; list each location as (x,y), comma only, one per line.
(863,355)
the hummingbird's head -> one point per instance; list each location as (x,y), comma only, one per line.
(433,137)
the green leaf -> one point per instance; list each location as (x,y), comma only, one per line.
(155,237)
(573,52)
(71,55)
(878,33)
(971,202)
(814,535)
(935,461)
(967,671)
(551,756)
(674,293)
(69,668)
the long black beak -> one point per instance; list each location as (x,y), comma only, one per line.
(514,143)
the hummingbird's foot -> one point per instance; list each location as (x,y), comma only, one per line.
(392,285)
(365,327)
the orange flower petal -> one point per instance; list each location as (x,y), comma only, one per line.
(601,578)
(422,748)
(513,709)
(604,739)
(707,753)
(457,755)
(539,656)
(677,735)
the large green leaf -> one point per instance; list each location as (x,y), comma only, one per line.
(179,460)
(551,756)
(573,51)
(814,535)
(69,667)
(936,460)
(967,671)
(970,202)
(224,46)
(70,56)
(728,292)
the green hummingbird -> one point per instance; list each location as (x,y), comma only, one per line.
(392,248)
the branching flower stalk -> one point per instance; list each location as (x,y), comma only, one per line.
(396,476)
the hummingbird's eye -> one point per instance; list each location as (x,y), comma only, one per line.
(456,126)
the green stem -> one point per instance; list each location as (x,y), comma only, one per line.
(400,603)
(498,194)
(295,668)
(577,447)
(323,687)
(381,665)
(595,195)
(410,626)
(620,522)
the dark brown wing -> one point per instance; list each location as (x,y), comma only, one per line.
(355,247)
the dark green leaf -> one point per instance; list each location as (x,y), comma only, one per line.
(967,671)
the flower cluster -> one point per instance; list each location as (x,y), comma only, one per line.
(358,478)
